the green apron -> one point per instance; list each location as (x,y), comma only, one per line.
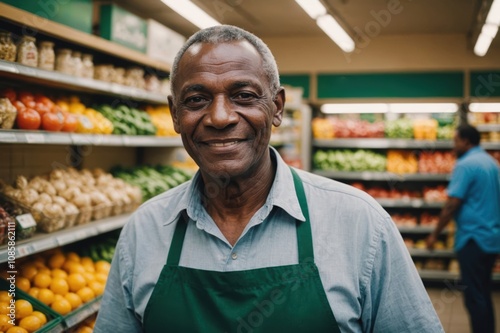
(273,299)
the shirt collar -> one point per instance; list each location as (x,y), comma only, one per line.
(471,151)
(282,194)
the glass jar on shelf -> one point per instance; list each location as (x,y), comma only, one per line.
(64,61)
(27,53)
(7,47)
(87,66)
(77,63)
(46,56)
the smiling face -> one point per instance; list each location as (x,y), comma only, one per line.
(224,108)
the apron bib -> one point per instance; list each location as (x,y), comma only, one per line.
(272,299)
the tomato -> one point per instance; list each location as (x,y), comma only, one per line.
(39,98)
(53,121)
(19,105)
(70,122)
(41,108)
(28,119)
(25,97)
(10,94)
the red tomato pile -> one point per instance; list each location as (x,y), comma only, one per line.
(36,111)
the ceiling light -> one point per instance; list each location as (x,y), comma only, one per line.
(494,13)
(192,13)
(423,107)
(313,8)
(389,108)
(484,107)
(336,33)
(482,45)
(355,108)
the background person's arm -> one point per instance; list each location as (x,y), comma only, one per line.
(450,208)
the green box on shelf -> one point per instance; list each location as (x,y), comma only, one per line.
(54,320)
(123,27)
(73,13)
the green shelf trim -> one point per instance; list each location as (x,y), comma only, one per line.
(391,85)
(297,80)
(484,84)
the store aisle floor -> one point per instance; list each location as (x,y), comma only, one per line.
(449,305)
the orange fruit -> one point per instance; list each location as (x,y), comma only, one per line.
(30,323)
(61,306)
(4,296)
(4,307)
(74,300)
(102,266)
(29,271)
(86,294)
(76,282)
(42,280)
(59,286)
(46,296)
(76,268)
(73,256)
(23,283)
(97,287)
(45,270)
(23,308)
(41,316)
(86,261)
(85,329)
(56,260)
(101,277)
(5,322)
(16,329)
(59,273)
(58,297)
(34,291)
(89,277)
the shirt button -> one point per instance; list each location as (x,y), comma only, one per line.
(234,256)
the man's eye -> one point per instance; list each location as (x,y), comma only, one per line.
(244,96)
(195,100)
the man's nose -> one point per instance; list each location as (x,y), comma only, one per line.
(221,113)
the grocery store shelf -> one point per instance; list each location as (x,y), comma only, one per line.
(63,32)
(430,274)
(432,254)
(65,81)
(44,137)
(408,203)
(383,143)
(83,312)
(490,145)
(46,241)
(418,229)
(384,176)
(488,128)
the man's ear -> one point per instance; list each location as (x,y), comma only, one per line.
(279,104)
(173,113)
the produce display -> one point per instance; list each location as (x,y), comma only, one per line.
(89,120)
(128,120)
(67,197)
(379,192)
(436,162)
(8,114)
(425,129)
(152,180)
(87,326)
(101,247)
(333,127)
(62,280)
(10,216)
(162,120)
(28,316)
(435,194)
(399,129)
(495,154)
(349,160)
(401,161)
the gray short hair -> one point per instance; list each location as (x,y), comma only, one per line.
(227,34)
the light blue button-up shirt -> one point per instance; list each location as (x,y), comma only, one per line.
(368,276)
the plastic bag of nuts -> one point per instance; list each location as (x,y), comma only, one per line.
(7,47)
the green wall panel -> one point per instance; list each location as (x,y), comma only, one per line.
(297,80)
(391,85)
(73,13)
(484,84)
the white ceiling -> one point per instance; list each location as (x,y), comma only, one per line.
(284,18)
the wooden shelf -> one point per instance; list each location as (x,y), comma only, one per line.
(63,32)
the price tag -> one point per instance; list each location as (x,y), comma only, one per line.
(8,137)
(58,138)
(35,138)
(44,244)
(26,221)
(416,203)
(65,239)
(23,251)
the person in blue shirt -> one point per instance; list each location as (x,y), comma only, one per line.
(251,245)
(474,202)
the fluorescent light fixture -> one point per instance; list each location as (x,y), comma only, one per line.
(494,13)
(482,44)
(192,13)
(423,107)
(355,108)
(389,108)
(313,8)
(336,33)
(484,107)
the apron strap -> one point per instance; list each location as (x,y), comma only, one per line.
(174,253)
(304,234)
